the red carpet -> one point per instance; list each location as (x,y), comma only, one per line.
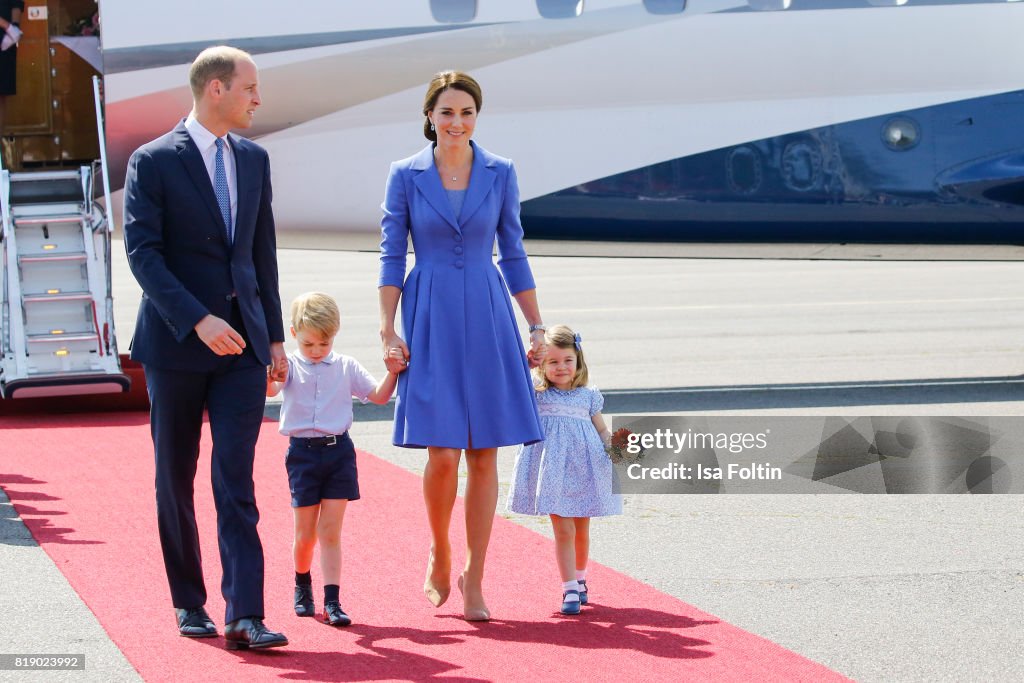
(84,486)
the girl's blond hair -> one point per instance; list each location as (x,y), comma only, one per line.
(562,337)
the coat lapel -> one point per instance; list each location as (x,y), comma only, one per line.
(481,179)
(429,184)
(244,172)
(193,161)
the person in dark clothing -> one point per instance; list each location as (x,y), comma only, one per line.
(10,20)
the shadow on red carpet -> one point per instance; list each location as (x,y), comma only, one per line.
(94,474)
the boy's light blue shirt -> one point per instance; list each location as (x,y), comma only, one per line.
(317,397)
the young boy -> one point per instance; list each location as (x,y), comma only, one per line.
(316,414)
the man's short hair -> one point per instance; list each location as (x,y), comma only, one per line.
(214,63)
(318,312)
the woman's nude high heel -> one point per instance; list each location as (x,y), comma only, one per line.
(435,592)
(472,613)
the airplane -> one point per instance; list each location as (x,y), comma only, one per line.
(680,120)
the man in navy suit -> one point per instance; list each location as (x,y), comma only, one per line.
(199,231)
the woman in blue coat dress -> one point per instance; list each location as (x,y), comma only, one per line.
(467,386)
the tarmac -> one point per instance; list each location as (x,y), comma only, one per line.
(877,587)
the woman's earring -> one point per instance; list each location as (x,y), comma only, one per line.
(431,127)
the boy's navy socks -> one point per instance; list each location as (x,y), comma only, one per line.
(331,592)
(303,579)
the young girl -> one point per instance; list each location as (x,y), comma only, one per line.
(568,476)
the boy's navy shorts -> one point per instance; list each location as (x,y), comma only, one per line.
(319,469)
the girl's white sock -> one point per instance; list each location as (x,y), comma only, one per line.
(571,586)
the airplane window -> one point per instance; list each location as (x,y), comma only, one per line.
(453,11)
(901,134)
(769,5)
(560,9)
(664,6)
(887,3)
(802,166)
(743,170)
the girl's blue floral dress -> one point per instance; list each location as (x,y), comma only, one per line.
(568,474)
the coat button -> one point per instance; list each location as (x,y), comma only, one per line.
(458,237)
(458,250)
(458,263)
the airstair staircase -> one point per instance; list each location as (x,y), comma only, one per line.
(56,312)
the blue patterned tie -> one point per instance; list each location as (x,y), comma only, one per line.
(220,188)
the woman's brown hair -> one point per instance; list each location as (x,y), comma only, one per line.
(456,80)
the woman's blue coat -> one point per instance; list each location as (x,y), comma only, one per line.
(468,382)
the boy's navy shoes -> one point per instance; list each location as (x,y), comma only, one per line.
(304,601)
(570,606)
(195,623)
(583,592)
(250,632)
(334,615)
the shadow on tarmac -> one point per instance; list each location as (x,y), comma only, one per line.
(14,527)
(12,530)
(769,396)
(816,395)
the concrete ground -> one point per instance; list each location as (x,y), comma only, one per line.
(880,588)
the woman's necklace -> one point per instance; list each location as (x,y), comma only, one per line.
(454,176)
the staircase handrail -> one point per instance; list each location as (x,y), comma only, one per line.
(100,128)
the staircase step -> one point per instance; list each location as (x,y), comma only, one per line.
(62,338)
(68,374)
(61,296)
(65,383)
(51,258)
(44,220)
(46,187)
(32,176)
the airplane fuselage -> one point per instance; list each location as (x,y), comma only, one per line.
(826,121)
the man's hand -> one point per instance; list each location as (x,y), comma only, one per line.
(278,362)
(222,339)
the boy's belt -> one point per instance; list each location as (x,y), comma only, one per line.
(316,440)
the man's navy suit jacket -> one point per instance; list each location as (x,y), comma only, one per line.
(178,250)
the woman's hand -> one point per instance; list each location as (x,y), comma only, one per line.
(538,349)
(527,300)
(396,353)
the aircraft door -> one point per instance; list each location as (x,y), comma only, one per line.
(52,117)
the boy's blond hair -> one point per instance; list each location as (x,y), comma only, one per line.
(316,311)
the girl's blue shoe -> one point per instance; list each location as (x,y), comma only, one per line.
(583,591)
(570,606)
